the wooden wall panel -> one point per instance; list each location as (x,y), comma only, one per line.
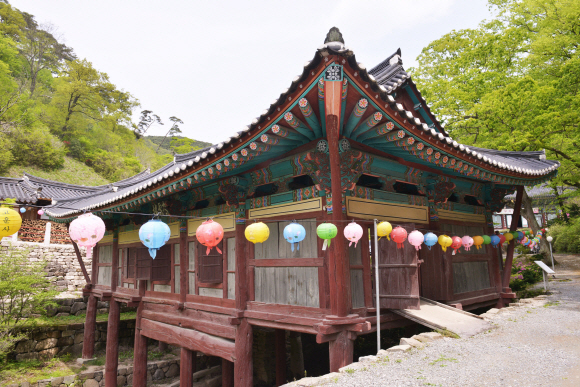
(300,207)
(370,209)
(470,276)
(287,285)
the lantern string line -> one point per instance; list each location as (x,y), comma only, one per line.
(266,220)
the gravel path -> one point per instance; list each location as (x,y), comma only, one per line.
(530,346)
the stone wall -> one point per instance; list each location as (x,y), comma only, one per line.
(62,264)
(77,307)
(48,342)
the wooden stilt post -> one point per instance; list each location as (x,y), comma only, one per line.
(90,326)
(507,270)
(227,373)
(140,349)
(183,262)
(187,367)
(341,351)
(243,366)
(112,355)
(280,357)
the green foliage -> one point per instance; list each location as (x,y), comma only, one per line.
(24,290)
(183,145)
(566,236)
(168,144)
(524,274)
(72,172)
(513,83)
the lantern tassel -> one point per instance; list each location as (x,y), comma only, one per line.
(208,250)
(292,247)
(218,249)
(89,252)
(153,253)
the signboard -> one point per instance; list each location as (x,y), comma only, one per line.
(544,267)
(333,73)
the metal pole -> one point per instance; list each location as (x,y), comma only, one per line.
(545,286)
(552,255)
(378,300)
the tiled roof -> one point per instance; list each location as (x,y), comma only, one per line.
(543,191)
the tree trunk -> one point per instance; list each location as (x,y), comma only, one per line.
(528,213)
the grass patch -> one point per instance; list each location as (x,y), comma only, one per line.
(530,293)
(446,333)
(15,372)
(443,359)
(66,320)
(73,172)
(551,303)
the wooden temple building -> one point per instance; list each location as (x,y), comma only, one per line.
(342,143)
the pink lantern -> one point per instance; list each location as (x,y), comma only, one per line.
(455,244)
(41,212)
(416,238)
(467,242)
(86,231)
(353,232)
(210,234)
(399,234)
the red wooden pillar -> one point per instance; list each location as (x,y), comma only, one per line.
(243,366)
(90,326)
(187,367)
(227,373)
(140,349)
(112,355)
(241,267)
(510,252)
(280,357)
(340,351)
(115,262)
(183,262)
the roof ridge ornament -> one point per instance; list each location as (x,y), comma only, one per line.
(334,35)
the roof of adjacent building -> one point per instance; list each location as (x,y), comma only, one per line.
(383,80)
(543,191)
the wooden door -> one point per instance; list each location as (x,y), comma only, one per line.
(399,282)
(210,267)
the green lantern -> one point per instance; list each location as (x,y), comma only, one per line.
(486,239)
(516,235)
(326,231)
(528,233)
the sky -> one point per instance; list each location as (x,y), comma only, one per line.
(218,64)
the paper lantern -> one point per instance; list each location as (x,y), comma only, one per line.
(384,229)
(416,238)
(486,239)
(41,212)
(153,235)
(524,241)
(294,233)
(455,244)
(326,231)
(543,231)
(22,210)
(10,222)
(477,241)
(87,230)
(257,232)
(508,236)
(467,242)
(494,240)
(444,241)
(520,235)
(399,235)
(501,239)
(210,234)
(353,232)
(430,239)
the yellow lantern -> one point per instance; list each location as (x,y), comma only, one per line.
(257,232)
(384,229)
(508,236)
(445,242)
(477,241)
(10,222)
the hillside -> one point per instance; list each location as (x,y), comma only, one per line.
(166,144)
(73,172)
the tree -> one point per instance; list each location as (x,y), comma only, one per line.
(147,119)
(183,145)
(172,131)
(513,83)
(24,291)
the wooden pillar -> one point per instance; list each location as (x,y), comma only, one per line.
(241,267)
(183,262)
(243,365)
(90,326)
(510,252)
(280,357)
(338,259)
(340,351)
(112,355)
(227,373)
(187,367)
(140,349)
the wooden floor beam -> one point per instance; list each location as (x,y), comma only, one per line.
(90,326)
(112,352)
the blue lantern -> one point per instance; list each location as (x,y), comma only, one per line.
(294,233)
(154,234)
(520,235)
(22,210)
(430,239)
(494,240)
